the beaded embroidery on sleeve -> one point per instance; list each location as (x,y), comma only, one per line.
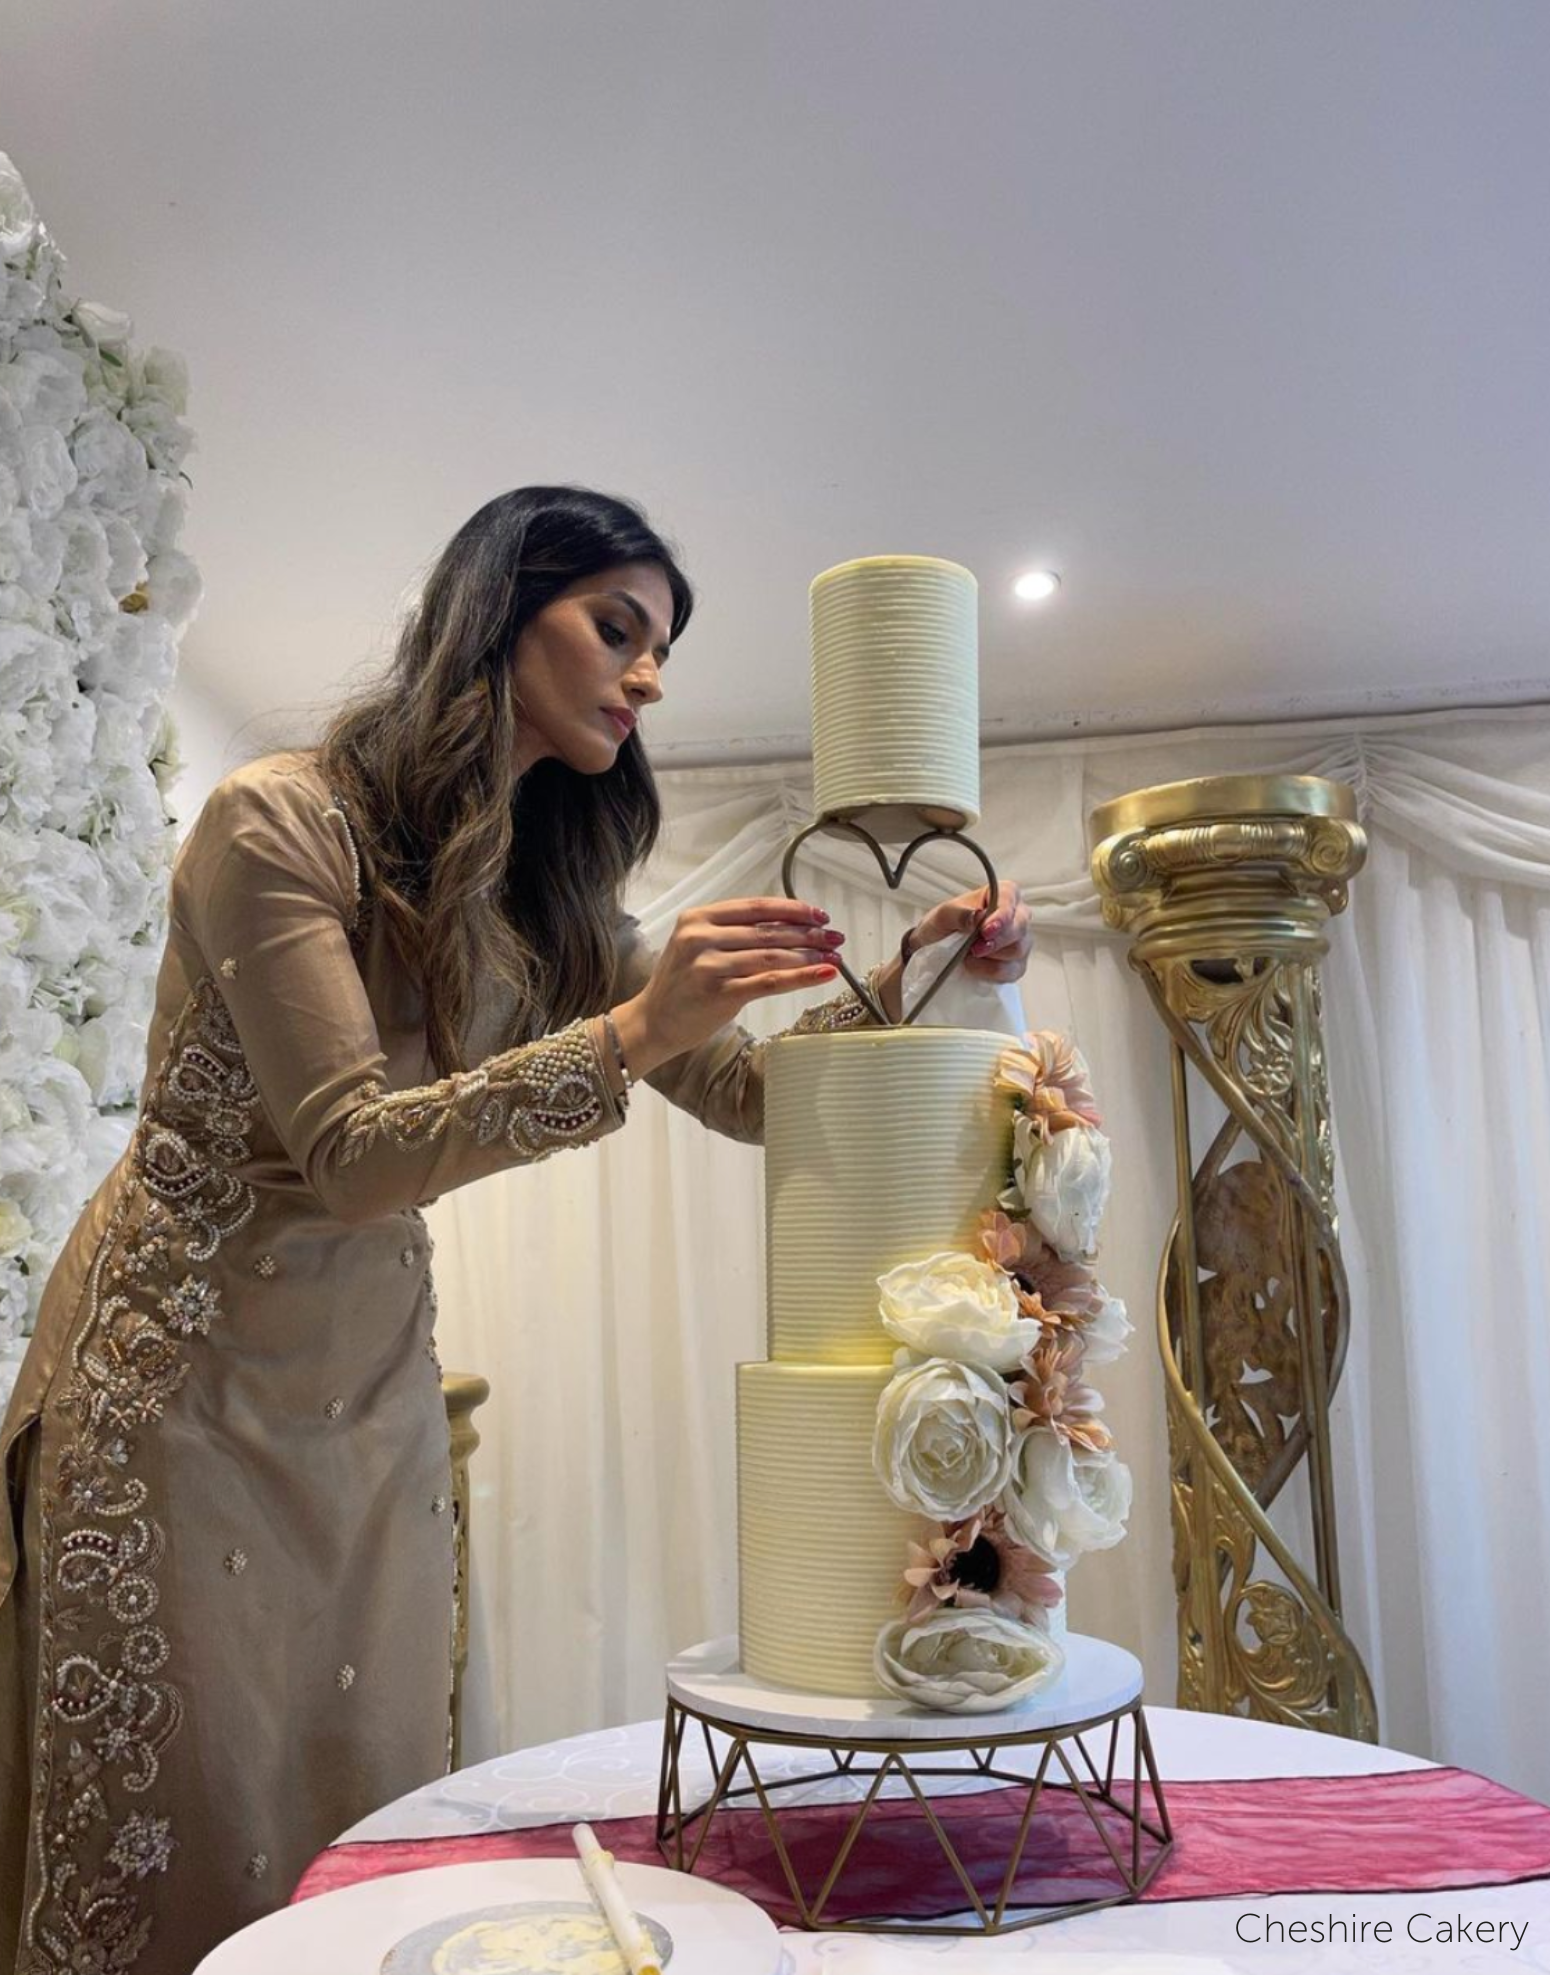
(844,1012)
(535,1099)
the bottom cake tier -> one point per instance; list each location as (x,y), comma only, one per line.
(821,1548)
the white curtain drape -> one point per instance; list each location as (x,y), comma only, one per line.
(608,1294)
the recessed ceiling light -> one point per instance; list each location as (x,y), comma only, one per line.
(1036,586)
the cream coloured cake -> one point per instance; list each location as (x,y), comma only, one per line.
(881,1146)
(896,694)
(920,1457)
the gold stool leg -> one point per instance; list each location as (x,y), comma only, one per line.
(1226,887)
(463,1393)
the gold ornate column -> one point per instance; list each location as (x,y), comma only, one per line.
(1226,887)
(463,1394)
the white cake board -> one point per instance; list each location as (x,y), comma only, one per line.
(350,1932)
(1100,1680)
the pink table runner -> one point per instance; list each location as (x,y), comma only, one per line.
(1420,1829)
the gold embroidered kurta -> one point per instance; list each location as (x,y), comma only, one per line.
(226,1574)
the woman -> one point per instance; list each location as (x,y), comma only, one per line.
(394,964)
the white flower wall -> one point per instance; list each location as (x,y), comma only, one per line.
(94,594)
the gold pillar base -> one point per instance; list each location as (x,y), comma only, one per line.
(1226,886)
(463,1394)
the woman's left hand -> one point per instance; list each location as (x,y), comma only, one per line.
(1005,940)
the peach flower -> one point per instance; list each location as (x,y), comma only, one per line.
(1051,1077)
(1052,1394)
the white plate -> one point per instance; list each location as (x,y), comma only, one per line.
(713,1931)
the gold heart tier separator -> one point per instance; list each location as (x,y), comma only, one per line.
(893,876)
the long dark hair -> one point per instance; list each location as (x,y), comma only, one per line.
(474,869)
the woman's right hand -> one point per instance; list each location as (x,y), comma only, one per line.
(719,958)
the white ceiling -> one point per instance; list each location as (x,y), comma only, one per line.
(1236,314)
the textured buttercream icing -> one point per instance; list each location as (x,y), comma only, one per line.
(896,694)
(881,1146)
(822,1550)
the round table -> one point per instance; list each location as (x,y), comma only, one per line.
(613,1773)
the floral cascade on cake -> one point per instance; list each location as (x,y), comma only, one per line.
(988,1426)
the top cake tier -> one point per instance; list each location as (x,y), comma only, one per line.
(896,695)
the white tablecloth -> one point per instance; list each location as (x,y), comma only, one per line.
(613,1773)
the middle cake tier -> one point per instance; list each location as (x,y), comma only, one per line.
(881,1146)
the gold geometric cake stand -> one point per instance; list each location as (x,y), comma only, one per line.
(1071,1736)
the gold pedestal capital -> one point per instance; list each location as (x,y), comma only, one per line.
(1277,850)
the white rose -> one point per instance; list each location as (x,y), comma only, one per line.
(33,666)
(1104,1337)
(15,1228)
(21,298)
(19,606)
(126,556)
(1063,1183)
(164,374)
(74,728)
(943,1444)
(111,1040)
(18,978)
(166,439)
(32,553)
(161,511)
(134,656)
(109,329)
(953,1305)
(128,883)
(175,587)
(167,761)
(18,215)
(27,1047)
(110,460)
(13,1312)
(48,474)
(1063,1504)
(47,387)
(70,894)
(966,1662)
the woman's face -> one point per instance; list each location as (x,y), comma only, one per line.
(588,663)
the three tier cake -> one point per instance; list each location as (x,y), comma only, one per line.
(920,1456)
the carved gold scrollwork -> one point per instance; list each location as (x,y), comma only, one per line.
(1245,1010)
(1226,888)
(1281,1652)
